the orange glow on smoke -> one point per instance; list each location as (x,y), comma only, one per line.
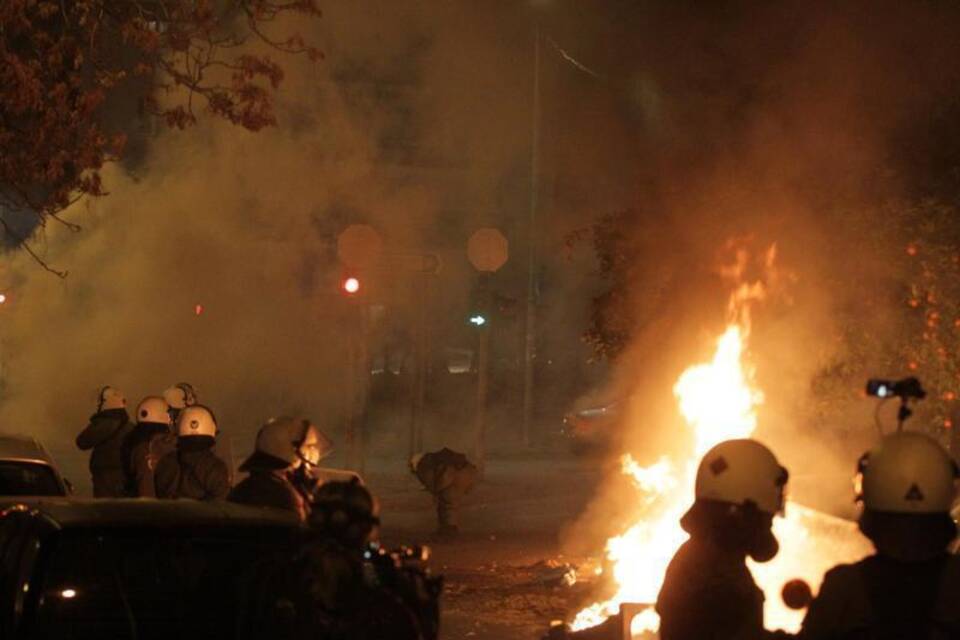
(718,400)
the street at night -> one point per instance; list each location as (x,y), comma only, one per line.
(459,320)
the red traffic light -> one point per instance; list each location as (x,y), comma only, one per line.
(350,285)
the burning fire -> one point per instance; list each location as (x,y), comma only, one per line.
(718,400)
(719,403)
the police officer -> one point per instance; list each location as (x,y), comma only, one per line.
(448,476)
(179,397)
(910,589)
(193,470)
(277,454)
(708,592)
(149,441)
(104,434)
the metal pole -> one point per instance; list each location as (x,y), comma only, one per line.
(483,383)
(424,367)
(418,383)
(352,393)
(415,377)
(955,433)
(530,338)
(483,369)
(363,386)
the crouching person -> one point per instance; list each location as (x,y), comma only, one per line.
(193,470)
(708,592)
(449,476)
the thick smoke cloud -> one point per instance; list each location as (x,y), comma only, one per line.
(406,126)
(782,123)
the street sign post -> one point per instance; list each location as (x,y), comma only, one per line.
(488,250)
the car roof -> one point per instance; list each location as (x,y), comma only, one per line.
(22,447)
(66,513)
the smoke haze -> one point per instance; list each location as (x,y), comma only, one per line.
(773,121)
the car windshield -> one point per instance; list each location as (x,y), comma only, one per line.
(156,583)
(19,478)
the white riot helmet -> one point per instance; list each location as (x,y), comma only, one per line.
(907,472)
(180,396)
(196,421)
(742,472)
(110,398)
(283,438)
(153,409)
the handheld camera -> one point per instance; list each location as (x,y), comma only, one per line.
(906,389)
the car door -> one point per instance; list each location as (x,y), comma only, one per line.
(19,544)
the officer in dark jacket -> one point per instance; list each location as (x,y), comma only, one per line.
(339,586)
(449,476)
(105,433)
(148,442)
(708,592)
(276,456)
(193,470)
(910,589)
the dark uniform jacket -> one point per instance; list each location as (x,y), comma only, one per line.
(320,591)
(268,485)
(880,598)
(143,448)
(192,471)
(709,594)
(105,434)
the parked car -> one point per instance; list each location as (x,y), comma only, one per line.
(132,569)
(27,469)
(592,426)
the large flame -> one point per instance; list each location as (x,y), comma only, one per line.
(719,401)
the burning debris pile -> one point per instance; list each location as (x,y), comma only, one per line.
(718,400)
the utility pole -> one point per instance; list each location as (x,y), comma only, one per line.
(482,321)
(955,433)
(530,337)
(358,378)
(421,364)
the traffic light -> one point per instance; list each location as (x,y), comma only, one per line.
(350,285)
(477,320)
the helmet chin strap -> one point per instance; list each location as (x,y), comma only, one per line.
(102,399)
(299,443)
(305,461)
